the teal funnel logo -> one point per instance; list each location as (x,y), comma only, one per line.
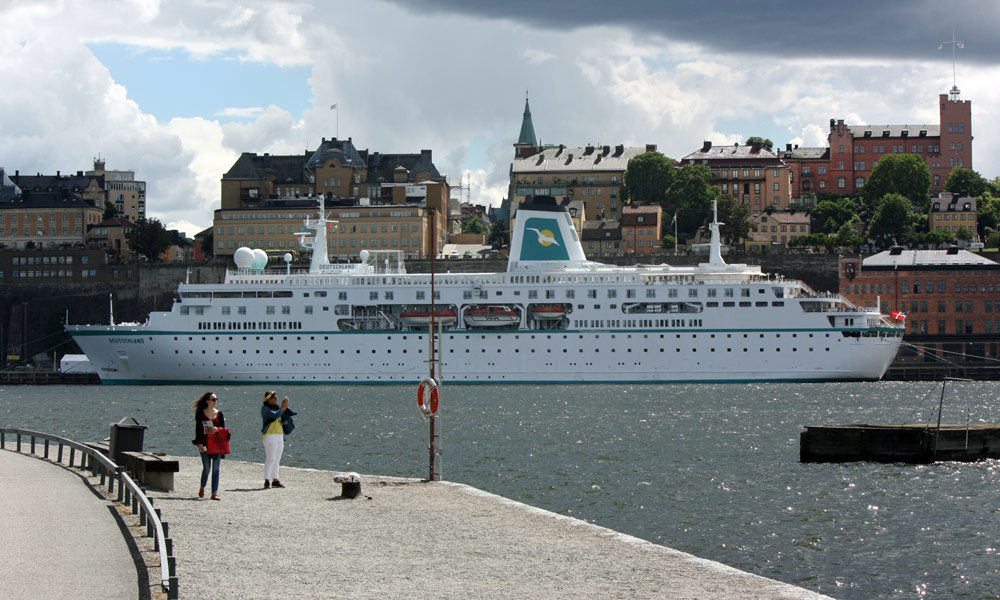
(543,240)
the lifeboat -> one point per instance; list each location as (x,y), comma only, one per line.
(422,318)
(491,316)
(549,311)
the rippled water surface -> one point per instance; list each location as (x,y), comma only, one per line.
(708,469)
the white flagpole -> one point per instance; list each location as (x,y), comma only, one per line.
(334,107)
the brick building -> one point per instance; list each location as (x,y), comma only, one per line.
(951,297)
(750,174)
(642,230)
(853,150)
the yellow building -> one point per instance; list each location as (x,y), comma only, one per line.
(592,175)
(951,212)
(402,227)
(123,191)
(265,199)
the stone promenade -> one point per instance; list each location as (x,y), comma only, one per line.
(410,539)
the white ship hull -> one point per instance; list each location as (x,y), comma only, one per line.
(348,324)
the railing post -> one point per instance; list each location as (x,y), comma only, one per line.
(46,447)
(173,592)
(18,441)
(72,456)
(2,438)
(121,484)
(59,453)
(32,443)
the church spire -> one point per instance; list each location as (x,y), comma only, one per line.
(526,141)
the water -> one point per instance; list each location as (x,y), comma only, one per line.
(708,469)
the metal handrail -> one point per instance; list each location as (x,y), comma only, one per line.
(129,493)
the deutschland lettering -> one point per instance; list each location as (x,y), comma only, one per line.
(126,340)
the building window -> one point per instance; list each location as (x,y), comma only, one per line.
(841,182)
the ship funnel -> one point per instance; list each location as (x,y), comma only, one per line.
(543,235)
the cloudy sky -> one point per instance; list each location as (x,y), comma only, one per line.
(176,90)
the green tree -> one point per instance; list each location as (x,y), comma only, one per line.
(967,181)
(110,212)
(828,215)
(690,197)
(473,225)
(208,243)
(149,238)
(993,241)
(499,234)
(847,235)
(988,217)
(905,174)
(764,142)
(735,219)
(647,178)
(892,222)
(931,239)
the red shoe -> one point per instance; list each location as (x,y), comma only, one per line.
(216,497)
(201,492)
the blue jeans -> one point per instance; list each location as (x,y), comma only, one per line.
(215,460)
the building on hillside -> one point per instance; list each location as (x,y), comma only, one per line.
(46,219)
(265,198)
(854,150)
(180,250)
(808,170)
(780,227)
(749,173)
(8,191)
(591,174)
(642,230)
(601,239)
(112,235)
(951,212)
(122,190)
(951,298)
(61,265)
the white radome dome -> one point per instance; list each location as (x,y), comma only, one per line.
(364,256)
(243,257)
(259,259)
(288,257)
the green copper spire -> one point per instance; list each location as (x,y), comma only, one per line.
(527,136)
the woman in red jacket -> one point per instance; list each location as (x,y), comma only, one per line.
(208,419)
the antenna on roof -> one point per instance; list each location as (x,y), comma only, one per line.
(954,45)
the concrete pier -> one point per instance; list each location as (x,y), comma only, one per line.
(58,538)
(404,538)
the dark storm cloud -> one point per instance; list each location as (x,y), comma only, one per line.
(857,28)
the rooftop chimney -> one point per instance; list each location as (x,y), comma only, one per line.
(650,147)
(706,146)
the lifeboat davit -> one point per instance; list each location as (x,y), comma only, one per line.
(491,316)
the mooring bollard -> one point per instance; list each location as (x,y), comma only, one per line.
(350,484)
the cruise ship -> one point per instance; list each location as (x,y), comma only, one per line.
(552,317)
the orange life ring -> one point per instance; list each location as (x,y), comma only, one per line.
(430,405)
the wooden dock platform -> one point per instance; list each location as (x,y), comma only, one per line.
(908,443)
(47,378)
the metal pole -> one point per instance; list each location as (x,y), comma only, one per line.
(937,432)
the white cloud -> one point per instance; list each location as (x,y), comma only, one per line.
(405,82)
(241,113)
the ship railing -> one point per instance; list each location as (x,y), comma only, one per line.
(114,477)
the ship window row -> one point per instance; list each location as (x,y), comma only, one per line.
(239,325)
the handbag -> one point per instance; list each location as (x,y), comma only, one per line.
(218,442)
(287,424)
